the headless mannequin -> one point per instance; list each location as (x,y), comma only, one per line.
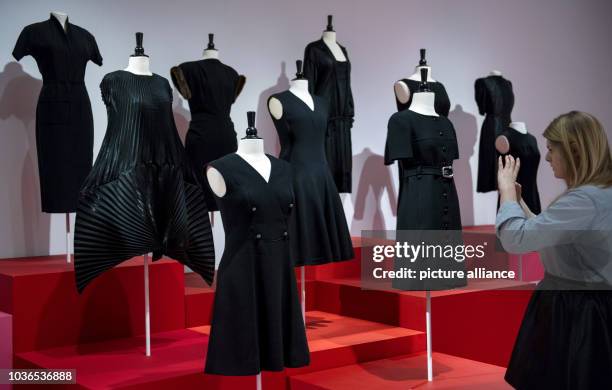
(423,101)
(61,17)
(502,144)
(298,87)
(210,52)
(402,92)
(329,38)
(251,149)
(139,62)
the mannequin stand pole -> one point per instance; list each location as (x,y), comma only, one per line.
(258,381)
(147,309)
(428,330)
(303,291)
(68,238)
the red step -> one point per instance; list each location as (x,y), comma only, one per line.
(47,311)
(406,372)
(178,356)
(6,341)
(478,322)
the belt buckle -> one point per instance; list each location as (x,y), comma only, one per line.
(447,171)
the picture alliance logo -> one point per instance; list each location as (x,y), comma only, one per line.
(412,252)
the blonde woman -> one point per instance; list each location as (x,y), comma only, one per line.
(565,340)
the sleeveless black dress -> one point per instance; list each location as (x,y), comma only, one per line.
(495,99)
(441,100)
(257,322)
(140,196)
(211,88)
(320,232)
(64,122)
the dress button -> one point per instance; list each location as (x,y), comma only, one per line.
(254,208)
(290,205)
(441,134)
(258,236)
(445,210)
(444,148)
(285,234)
(445,194)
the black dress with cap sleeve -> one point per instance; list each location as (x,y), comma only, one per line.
(64,122)
(257,323)
(141,195)
(320,232)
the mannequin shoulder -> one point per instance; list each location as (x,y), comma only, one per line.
(275,106)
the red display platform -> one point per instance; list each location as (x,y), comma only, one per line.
(406,372)
(48,312)
(6,341)
(178,357)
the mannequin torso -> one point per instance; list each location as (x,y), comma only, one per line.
(61,17)
(210,54)
(329,38)
(297,87)
(139,65)
(423,103)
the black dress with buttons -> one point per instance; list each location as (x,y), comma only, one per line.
(257,323)
(64,122)
(425,147)
(320,232)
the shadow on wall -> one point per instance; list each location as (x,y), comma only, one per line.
(466,128)
(28,226)
(374,180)
(181,115)
(264,124)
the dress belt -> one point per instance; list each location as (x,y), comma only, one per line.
(444,171)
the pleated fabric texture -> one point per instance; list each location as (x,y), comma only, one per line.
(565,339)
(140,196)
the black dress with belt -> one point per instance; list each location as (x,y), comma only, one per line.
(320,232)
(495,99)
(441,100)
(211,88)
(64,122)
(140,195)
(257,322)
(525,147)
(425,147)
(331,79)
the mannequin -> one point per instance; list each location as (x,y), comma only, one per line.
(329,37)
(298,87)
(495,72)
(402,92)
(423,101)
(502,144)
(251,149)
(139,62)
(210,52)
(61,17)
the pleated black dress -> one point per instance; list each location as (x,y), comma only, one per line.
(525,147)
(64,122)
(257,323)
(331,79)
(211,88)
(495,99)
(140,196)
(424,145)
(320,232)
(441,100)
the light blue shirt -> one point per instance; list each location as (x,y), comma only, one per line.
(573,235)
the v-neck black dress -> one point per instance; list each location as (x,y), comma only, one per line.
(257,322)
(331,80)
(441,101)
(495,100)
(320,232)
(140,195)
(64,122)
(211,88)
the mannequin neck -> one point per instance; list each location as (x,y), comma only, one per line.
(251,148)
(416,76)
(519,126)
(423,103)
(299,85)
(210,54)
(61,17)
(495,72)
(139,65)
(329,36)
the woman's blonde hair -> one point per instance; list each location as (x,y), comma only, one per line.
(584,147)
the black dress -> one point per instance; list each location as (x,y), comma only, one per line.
(423,145)
(495,99)
(331,79)
(211,88)
(525,147)
(441,101)
(320,233)
(64,123)
(257,322)
(140,196)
